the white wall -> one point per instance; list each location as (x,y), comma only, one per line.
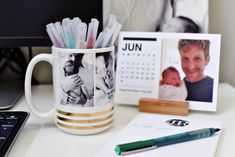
(221,21)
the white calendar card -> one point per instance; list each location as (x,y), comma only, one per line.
(176,66)
(138,66)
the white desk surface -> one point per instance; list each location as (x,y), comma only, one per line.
(40,137)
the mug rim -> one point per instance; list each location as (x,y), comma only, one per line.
(94,50)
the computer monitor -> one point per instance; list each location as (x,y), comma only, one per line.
(23,24)
(23,21)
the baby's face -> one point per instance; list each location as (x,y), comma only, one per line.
(174,25)
(69,63)
(172,78)
(69,66)
(100,66)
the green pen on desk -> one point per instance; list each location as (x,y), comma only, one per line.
(134,147)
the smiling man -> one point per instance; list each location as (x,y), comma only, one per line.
(195,56)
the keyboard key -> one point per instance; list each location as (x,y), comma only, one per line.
(5,131)
(11,117)
(10,122)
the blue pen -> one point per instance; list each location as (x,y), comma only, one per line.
(134,147)
(66,25)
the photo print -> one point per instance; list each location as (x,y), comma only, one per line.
(190,70)
(170,66)
(184,16)
(77,79)
(104,92)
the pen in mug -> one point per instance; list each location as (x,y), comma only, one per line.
(58,40)
(51,36)
(73,33)
(83,35)
(99,40)
(89,36)
(75,22)
(92,33)
(80,38)
(59,29)
(54,36)
(107,37)
(77,30)
(134,147)
(102,37)
(110,21)
(113,28)
(66,25)
(116,32)
(66,40)
(110,35)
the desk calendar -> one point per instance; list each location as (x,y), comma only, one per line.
(143,56)
(137,67)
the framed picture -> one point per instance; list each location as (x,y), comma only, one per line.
(176,66)
(159,15)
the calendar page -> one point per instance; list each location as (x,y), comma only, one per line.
(138,67)
(176,66)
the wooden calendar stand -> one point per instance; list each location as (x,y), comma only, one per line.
(164,106)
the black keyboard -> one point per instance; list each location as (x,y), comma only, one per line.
(11,124)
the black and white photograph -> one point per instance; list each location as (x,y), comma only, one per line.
(77,83)
(104,92)
(184,16)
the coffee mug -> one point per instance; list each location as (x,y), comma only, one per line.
(83,86)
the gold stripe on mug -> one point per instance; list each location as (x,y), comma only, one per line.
(84,127)
(85,114)
(85,121)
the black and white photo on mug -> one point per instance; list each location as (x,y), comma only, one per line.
(104,78)
(77,83)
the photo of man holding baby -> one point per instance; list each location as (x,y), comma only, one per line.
(190,61)
(77,84)
(182,16)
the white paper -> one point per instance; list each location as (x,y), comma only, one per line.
(148,126)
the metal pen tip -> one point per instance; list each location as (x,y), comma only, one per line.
(217,129)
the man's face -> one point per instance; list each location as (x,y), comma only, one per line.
(193,62)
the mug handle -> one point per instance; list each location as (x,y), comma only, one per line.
(28,78)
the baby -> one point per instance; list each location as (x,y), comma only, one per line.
(104,80)
(171,86)
(180,24)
